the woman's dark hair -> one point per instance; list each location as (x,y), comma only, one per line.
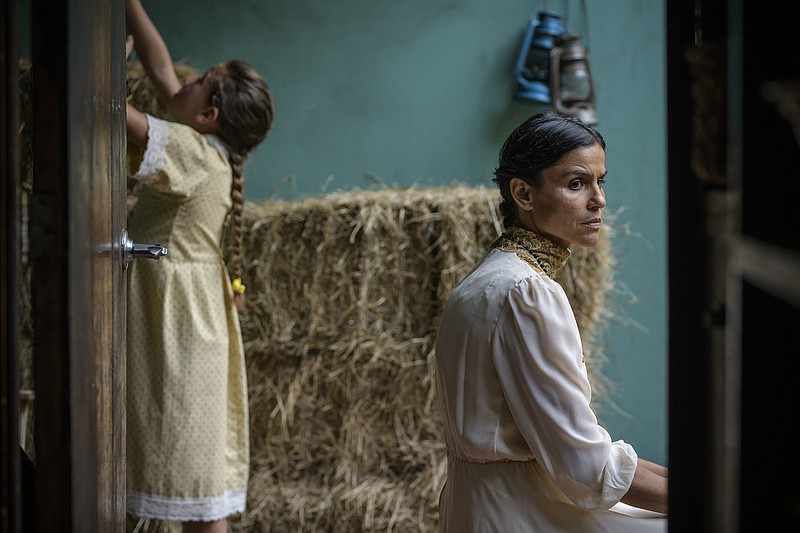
(538,143)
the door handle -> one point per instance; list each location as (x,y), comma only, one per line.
(132,250)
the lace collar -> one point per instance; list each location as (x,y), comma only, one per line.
(542,254)
(216,142)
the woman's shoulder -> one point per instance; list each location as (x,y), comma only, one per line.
(500,273)
(498,283)
(508,266)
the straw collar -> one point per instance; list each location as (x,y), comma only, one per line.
(542,254)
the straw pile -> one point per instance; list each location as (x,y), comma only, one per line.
(344,297)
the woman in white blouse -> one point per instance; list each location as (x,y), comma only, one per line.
(525,451)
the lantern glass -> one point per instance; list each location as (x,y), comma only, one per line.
(537,66)
(575,83)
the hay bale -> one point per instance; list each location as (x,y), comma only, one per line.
(344,295)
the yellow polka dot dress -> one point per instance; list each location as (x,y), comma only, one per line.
(187,433)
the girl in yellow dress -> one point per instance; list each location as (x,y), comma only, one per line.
(187,418)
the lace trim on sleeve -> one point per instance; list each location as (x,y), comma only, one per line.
(155,153)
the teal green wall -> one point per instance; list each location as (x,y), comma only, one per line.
(418,92)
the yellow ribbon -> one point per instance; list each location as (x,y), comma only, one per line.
(238,286)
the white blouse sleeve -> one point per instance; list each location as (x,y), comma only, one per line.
(538,356)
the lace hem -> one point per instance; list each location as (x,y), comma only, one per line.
(156,151)
(187,509)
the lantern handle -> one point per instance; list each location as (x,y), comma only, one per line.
(555,79)
(584,18)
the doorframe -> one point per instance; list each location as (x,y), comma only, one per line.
(10,268)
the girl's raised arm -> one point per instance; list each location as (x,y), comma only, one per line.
(152,51)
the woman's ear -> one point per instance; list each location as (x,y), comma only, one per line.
(521,192)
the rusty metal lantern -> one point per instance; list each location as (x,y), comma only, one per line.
(571,86)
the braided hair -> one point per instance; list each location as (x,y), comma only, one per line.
(538,143)
(246,109)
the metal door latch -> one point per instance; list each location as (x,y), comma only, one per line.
(131,250)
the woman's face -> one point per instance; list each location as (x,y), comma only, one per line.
(567,203)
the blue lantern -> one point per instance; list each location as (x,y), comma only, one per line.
(532,70)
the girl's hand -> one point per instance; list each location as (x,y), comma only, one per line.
(152,52)
(128,46)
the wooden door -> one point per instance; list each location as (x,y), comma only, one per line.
(77,214)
